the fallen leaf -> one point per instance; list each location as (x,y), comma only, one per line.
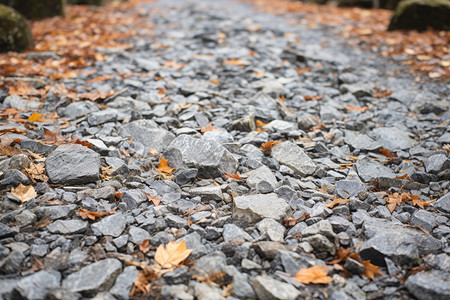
(417,202)
(387,153)
(154,199)
(260,124)
(86,214)
(335,202)
(37,172)
(208,128)
(216,279)
(341,255)
(172,255)
(315,98)
(355,108)
(316,274)
(35,117)
(370,269)
(24,192)
(379,93)
(144,246)
(267,147)
(163,167)
(235,62)
(53,137)
(142,284)
(234,176)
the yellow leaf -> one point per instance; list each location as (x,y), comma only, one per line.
(317,274)
(35,117)
(172,255)
(260,124)
(24,192)
(163,168)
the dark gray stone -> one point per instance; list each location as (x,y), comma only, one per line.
(443,203)
(423,219)
(137,235)
(12,263)
(349,188)
(124,283)
(112,225)
(96,277)
(361,141)
(368,169)
(5,231)
(267,288)
(68,226)
(55,212)
(262,180)
(429,285)
(437,163)
(73,164)
(36,286)
(233,232)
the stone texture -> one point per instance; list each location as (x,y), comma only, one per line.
(267,288)
(112,225)
(15,33)
(291,155)
(253,208)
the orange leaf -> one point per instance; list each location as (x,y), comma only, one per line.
(172,255)
(387,153)
(336,201)
(317,274)
(154,199)
(86,214)
(371,270)
(315,98)
(404,176)
(260,124)
(24,192)
(53,137)
(355,108)
(267,147)
(208,128)
(163,168)
(417,202)
(144,246)
(35,117)
(235,176)
(341,255)
(235,62)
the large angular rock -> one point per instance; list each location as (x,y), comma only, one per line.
(36,286)
(111,225)
(73,164)
(291,155)
(15,34)
(392,138)
(38,9)
(361,141)
(253,208)
(262,180)
(68,226)
(209,157)
(443,204)
(148,133)
(368,169)
(429,285)
(267,288)
(421,14)
(96,277)
(395,241)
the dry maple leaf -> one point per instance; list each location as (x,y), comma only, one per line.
(387,153)
(36,171)
(24,192)
(315,98)
(163,168)
(291,221)
(154,199)
(316,274)
(417,202)
(370,269)
(53,137)
(142,284)
(208,128)
(86,214)
(335,202)
(355,108)
(267,147)
(234,176)
(35,117)
(260,123)
(341,256)
(172,255)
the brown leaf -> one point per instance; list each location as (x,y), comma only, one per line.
(341,255)
(316,274)
(267,147)
(379,93)
(154,199)
(172,255)
(24,192)
(208,128)
(335,202)
(355,108)
(235,62)
(37,171)
(144,246)
(387,153)
(417,202)
(315,98)
(86,214)
(163,167)
(53,137)
(370,269)
(35,117)
(234,176)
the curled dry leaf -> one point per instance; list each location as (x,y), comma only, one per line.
(316,274)
(172,255)
(267,147)
(86,214)
(144,246)
(24,192)
(335,202)
(208,128)
(355,108)
(234,176)
(164,168)
(154,199)
(37,172)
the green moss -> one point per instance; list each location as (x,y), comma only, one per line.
(421,14)
(38,9)
(15,34)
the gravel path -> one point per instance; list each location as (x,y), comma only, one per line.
(290,150)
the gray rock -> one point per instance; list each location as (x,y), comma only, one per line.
(39,250)
(208,193)
(267,288)
(15,101)
(329,113)
(233,232)
(77,109)
(443,203)
(148,134)
(429,285)
(54,212)
(68,226)
(262,180)
(194,241)
(209,264)
(124,283)
(392,138)
(89,280)
(6,287)
(137,235)
(5,231)
(319,210)
(133,198)
(38,284)
(176,221)
(291,155)
(203,291)
(396,241)
(273,229)
(106,192)
(423,219)
(361,141)
(292,262)
(321,244)
(437,163)
(73,164)
(368,169)
(12,263)
(112,225)
(268,249)
(349,188)
(254,208)
(220,136)
(209,157)
(102,116)
(179,291)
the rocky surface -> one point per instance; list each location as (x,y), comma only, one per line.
(373,179)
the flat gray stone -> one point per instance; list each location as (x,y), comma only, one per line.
(36,286)
(428,285)
(137,235)
(437,163)
(124,283)
(267,288)
(361,141)
(291,155)
(73,164)
(208,192)
(398,242)
(253,208)
(148,134)
(368,169)
(392,138)
(274,230)
(443,203)
(262,180)
(68,226)
(112,225)
(209,157)
(96,277)
(349,188)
